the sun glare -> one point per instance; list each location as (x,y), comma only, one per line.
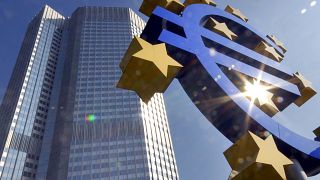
(256,90)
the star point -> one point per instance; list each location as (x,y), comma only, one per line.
(305,88)
(317,132)
(264,49)
(256,158)
(220,28)
(236,12)
(267,105)
(147,69)
(148,6)
(277,42)
(209,2)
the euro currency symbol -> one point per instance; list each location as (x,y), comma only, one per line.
(218,69)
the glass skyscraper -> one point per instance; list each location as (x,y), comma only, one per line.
(24,109)
(90,129)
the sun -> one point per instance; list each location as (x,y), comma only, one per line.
(256,90)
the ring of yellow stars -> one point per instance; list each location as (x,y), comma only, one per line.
(268,51)
(220,28)
(209,2)
(261,97)
(148,6)
(147,69)
(305,88)
(278,43)
(254,158)
(236,12)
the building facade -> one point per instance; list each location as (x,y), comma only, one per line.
(25,106)
(64,116)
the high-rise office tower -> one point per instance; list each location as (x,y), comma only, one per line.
(63,108)
(24,109)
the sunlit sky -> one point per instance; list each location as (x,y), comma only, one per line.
(198,145)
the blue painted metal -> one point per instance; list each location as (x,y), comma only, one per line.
(189,43)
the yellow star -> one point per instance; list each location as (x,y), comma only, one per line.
(277,42)
(209,2)
(305,88)
(220,28)
(302,81)
(317,132)
(268,51)
(267,105)
(255,158)
(147,69)
(157,54)
(148,6)
(236,12)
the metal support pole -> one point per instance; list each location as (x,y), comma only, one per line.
(295,172)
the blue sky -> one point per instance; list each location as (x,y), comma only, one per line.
(198,145)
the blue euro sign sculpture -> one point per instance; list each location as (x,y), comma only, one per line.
(212,67)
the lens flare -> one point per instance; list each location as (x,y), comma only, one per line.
(313,3)
(90,118)
(255,90)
